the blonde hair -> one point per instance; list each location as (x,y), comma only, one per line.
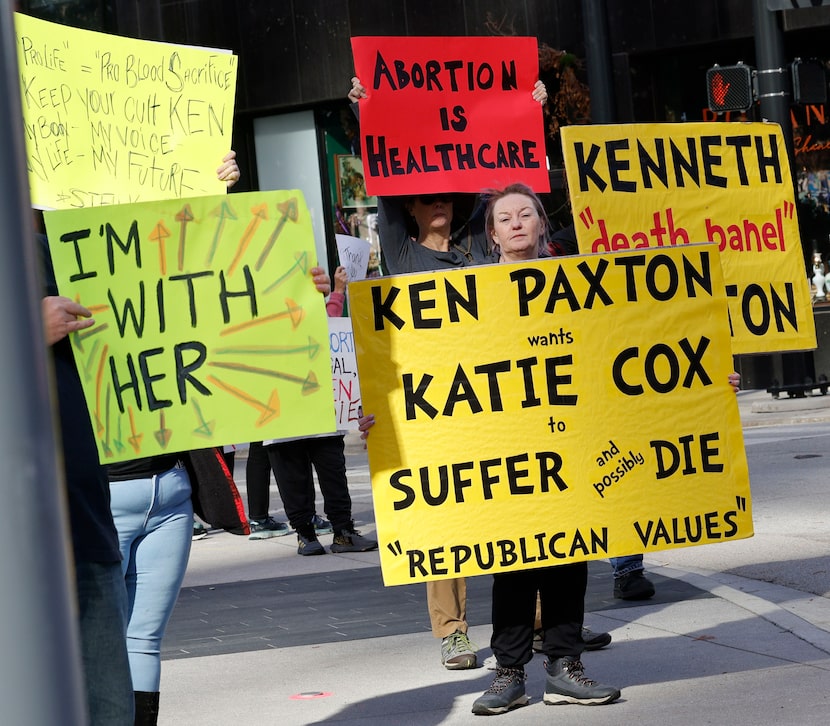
(494,195)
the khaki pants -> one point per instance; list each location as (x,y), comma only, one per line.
(447,604)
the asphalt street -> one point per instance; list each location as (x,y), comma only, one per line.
(737,633)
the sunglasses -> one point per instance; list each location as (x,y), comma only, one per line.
(430,198)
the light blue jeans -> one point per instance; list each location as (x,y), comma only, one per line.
(625,565)
(154,519)
(102,614)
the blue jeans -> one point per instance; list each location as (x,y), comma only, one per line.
(154,519)
(102,614)
(625,565)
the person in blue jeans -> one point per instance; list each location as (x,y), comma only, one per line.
(630,582)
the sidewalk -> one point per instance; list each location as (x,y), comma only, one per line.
(262,635)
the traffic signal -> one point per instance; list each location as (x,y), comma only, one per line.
(809,81)
(729,88)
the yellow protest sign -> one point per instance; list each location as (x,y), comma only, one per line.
(208,328)
(566,409)
(112,120)
(658,185)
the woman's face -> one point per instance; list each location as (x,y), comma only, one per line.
(432,211)
(516,227)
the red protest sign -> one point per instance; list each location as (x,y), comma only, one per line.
(449,114)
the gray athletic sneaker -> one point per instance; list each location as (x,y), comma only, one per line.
(309,545)
(350,540)
(321,526)
(506,692)
(457,652)
(268,527)
(566,683)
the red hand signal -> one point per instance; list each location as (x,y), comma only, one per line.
(719,89)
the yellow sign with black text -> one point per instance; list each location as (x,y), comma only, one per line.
(634,186)
(114,120)
(564,409)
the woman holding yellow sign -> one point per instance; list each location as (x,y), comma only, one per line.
(516,222)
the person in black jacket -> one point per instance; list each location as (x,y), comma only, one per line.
(100,590)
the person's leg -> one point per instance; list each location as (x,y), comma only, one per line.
(514,596)
(102,615)
(327,454)
(258,486)
(257,481)
(229,456)
(157,553)
(562,592)
(447,605)
(514,603)
(630,583)
(295,481)
(591,640)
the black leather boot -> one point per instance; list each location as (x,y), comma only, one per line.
(146,708)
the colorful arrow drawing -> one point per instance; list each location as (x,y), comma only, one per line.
(135,437)
(159,234)
(163,434)
(267,410)
(293,312)
(300,265)
(223,211)
(91,358)
(313,348)
(99,378)
(183,218)
(309,384)
(205,428)
(290,212)
(105,442)
(260,213)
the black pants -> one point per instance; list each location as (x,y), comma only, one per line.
(258,481)
(292,462)
(562,592)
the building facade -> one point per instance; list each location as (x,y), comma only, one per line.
(294,129)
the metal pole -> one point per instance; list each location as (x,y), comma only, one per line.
(41,681)
(774,94)
(774,87)
(598,62)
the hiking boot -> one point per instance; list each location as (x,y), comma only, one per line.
(592,640)
(457,652)
(350,540)
(309,545)
(507,691)
(566,683)
(321,526)
(268,527)
(633,586)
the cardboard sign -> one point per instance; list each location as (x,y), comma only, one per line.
(449,114)
(112,120)
(353,253)
(209,330)
(347,401)
(661,185)
(565,409)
